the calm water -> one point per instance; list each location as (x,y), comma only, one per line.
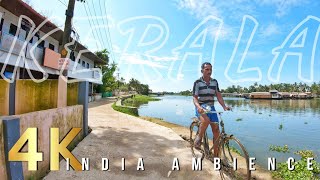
(260,123)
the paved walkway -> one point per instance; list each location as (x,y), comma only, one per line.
(116,135)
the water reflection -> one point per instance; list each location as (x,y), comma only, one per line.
(279,106)
(259,127)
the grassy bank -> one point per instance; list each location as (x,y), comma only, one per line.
(138,100)
(130,105)
(126,110)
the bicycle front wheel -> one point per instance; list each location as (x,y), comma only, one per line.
(234,159)
(194,131)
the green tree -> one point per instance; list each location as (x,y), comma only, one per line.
(108,80)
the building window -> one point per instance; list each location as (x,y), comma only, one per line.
(88,66)
(37,35)
(83,64)
(51,46)
(72,57)
(1,24)
(41,44)
(25,26)
(13,29)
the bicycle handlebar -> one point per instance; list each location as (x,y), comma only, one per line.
(207,112)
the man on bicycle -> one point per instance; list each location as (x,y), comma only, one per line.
(204,90)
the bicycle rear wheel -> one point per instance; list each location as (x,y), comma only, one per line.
(234,159)
(194,131)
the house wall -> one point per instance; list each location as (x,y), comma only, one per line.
(4,97)
(32,96)
(34,62)
(63,118)
(3,173)
(11,18)
(72,94)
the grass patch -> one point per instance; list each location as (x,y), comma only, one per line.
(233,149)
(300,171)
(281,126)
(138,100)
(126,110)
(284,149)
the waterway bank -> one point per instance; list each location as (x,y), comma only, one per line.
(184,133)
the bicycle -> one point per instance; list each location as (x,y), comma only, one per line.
(230,150)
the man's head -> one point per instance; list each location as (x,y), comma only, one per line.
(206,69)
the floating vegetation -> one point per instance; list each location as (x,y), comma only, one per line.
(306,154)
(284,149)
(281,126)
(269,114)
(244,110)
(300,171)
(260,112)
(239,119)
(305,122)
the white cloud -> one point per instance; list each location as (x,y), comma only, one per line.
(271,29)
(116,48)
(199,8)
(235,9)
(204,8)
(282,6)
(255,55)
(163,58)
(137,59)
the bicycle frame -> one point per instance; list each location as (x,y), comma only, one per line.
(222,134)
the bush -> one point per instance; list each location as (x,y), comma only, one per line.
(138,100)
(300,171)
(126,110)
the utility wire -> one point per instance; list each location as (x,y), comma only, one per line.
(63,3)
(97,23)
(105,32)
(93,32)
(111,53)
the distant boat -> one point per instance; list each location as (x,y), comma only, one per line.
(272,94)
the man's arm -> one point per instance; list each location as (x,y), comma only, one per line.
(221,101)
(196,103)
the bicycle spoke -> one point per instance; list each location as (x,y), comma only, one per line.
(234,159)
(193,134)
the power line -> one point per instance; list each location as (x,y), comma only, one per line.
(97,22)
(108,39)
(63,3)
(104,29)
(91,25)
(109,31)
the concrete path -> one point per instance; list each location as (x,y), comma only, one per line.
(116,135)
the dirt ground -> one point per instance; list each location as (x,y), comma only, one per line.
(184,133)
(116,135)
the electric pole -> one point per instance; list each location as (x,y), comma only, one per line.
(62,82)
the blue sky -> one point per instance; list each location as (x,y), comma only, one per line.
(162,43)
